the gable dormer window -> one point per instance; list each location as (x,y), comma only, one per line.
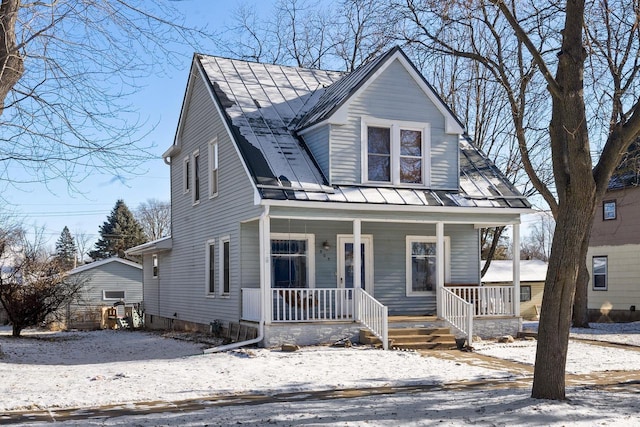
(395,152)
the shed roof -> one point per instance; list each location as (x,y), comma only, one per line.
(96,264)
(265,104)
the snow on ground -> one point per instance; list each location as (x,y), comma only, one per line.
(582,358)
(90,369)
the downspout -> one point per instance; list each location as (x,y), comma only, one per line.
(263,245)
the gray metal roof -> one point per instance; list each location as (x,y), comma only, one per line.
(264,104)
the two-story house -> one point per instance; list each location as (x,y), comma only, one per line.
(613,258)
(309,204)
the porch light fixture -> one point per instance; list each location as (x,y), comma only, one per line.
(326,246)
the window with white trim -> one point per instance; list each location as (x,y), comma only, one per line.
(422,265)
(395,152)
(213,168)
(210,267)
(196,177)
(112,295)
(292,263)
(154,265)
(225,266)
(600,272)
(186,175)
(609,210)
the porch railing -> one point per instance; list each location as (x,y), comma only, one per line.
(457,312)
(375,316)
(312,305)
(251,304)
(488,300)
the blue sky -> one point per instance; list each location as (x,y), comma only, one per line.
(54,206)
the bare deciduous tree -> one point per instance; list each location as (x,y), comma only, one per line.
(520,44)
(538,244)
(66,68)
(34,287)
(155,218)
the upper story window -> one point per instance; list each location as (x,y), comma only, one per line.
(186,174)
(608,210)
(395,152)
(196,177)
(213,168)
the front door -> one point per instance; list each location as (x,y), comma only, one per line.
(345,262)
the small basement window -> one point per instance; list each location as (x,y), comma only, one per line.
(112,295)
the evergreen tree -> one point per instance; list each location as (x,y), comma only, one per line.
(118,233)
(66,249)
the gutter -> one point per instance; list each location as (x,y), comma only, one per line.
(260,337)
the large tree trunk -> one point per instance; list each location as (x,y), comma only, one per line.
(16,328)
(576,187)
(11,62)
(580,302)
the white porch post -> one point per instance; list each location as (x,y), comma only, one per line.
(264,232)
(440,265)
(516,269)
(357,263)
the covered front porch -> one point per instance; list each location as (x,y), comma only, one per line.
(410,264)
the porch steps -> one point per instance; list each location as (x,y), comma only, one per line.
(413,338)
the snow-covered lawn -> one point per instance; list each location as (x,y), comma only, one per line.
(91,369)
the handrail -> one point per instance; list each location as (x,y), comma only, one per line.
(457,312)
(374,315)
(488,300)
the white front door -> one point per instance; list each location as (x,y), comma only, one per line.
(345,262)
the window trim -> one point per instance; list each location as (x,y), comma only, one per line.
(311,254)
(409,239)
(213,168)
(604,210)
(155,266)
(186,175)
(606,273)
(104,295)
(525,287)
(395,126)
(195,184)
(226,240)
(210,291)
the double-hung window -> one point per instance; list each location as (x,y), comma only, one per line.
(395,152)
(196,177)
(186,174)
(291,260)
(213,168)
(154,265)
(422,264)
(225,269)
(600,272)
(210,268)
